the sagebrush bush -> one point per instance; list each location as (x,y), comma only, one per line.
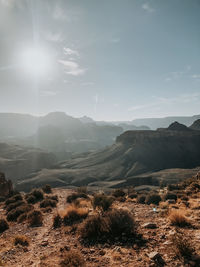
(13,199)
(113,224)
(72,259)
(15,213)
(47,189)
(132,195)
(31,199)
(48,203)
(74,214)
(71,198)
(102,201)
(57,221)
(182,246)
(52,197)
(118,193)
(22,218)
(35,218)
(141,199)
(153,199)
(177,218)
(21,240)
(170,195)
(14,205)
(38,194)
(3,225)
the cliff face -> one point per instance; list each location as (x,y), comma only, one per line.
(134,154)
(5,186)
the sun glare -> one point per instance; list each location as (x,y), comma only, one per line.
(35,61)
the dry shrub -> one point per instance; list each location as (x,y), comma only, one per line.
(47,189)
(164,205)
(21,240)
(71,198)
(38,194)
(170,195)
(182,246)
(153,199)
(177,218)
(3,225)
(35,218)
(31,199)
(57,221)
(113,224)
(15,213)
(52,197)
(74,214)
(102,201)
(14,205)
(133,195)
(118,193)
(48,203)
(13,199)
(141,199)
(72,259)
(82,190)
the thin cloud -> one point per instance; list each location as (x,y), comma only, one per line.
(148,8)
(196,76)
(72,68)
(177,74)
(54,37)
(59,13)
(69,52)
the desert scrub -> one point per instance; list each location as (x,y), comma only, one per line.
(72,259)
(15,213)
(22,218)
(153,199)
(113,224)
(177,218)
(35,218)
(102,201)
(170,195)
(47,189)
(38,194)
(74,214)
(31,199)
(21,240)
(71,198)
(3,225)
(13,199)
(118,193)
(14,205)
(141,199)
(57,221)
(182,246)
(48,203)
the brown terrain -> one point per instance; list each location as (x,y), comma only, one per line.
(165,234)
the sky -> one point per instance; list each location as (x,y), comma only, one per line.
(110,59)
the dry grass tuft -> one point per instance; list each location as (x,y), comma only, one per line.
(74,214)
(177,218)
(72,259)
(35,218)
(182,246)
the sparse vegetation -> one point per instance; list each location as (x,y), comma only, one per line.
(141,199)
(15,213)
(38,194)
(72,259)
(118,193)
(177,218)
(21,240)
(170,195)
(22,218)
(47,189)
(14,205)
(74,214)
(31,199)
(153,198)
(13,199)
(35,218)
(3,225)
(57,221)
(48,203)
(71,198)
(102,201)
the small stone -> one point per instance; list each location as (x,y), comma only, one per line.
(149,225)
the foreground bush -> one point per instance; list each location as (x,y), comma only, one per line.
(170,195)
(21,240)
(31,199)
(182,246)
(48,203)
(118,193)
(141,199)
(35,218)
(3,225)
(74,214)
(72,259)
(15,213)
(177,218)
(102,201)
(113,224)
(71,198)
(14,205)
(153,199)
(38,194)
(47,189)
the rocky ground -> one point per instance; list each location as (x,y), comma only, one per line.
(47,245)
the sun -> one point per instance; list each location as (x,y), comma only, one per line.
(35,61)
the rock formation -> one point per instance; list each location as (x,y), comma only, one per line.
(6,186)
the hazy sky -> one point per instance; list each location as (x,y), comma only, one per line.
(107,59)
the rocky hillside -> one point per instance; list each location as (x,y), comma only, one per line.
(133,159)
(196,125)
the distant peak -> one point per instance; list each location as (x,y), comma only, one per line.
(176,126)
